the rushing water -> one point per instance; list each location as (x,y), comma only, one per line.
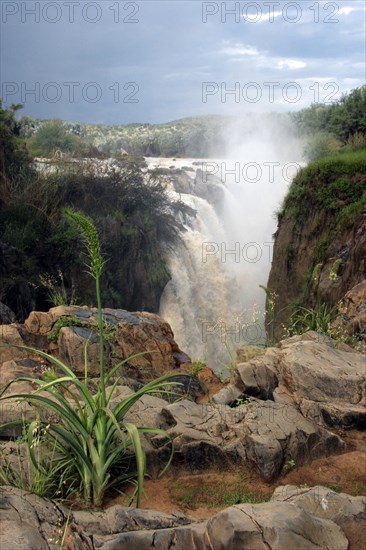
(213,301)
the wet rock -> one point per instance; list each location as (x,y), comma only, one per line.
(209,187)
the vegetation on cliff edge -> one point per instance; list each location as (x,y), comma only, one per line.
(134,217)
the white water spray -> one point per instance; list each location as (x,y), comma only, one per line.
(213,301)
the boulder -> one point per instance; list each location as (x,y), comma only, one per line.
(10,336)
(348,512)
(246,353)
(277,432)
(126,334)
(181,181)
(327,383)
(40,322)
(74,342)
(319,372)
(256,379)
(15,409)
(325,380)
(280,526)
(209,187)
(29,522)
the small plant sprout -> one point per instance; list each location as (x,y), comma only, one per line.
(333,275)
(316,272)
(242,401)
(290,464)
(197,367)
(271,314)
(57,293)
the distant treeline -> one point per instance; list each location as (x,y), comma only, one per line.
(327,129)
(195,137)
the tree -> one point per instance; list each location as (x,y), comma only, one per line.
(14,158)
(51,137)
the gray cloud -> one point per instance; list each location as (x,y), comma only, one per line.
(115,70)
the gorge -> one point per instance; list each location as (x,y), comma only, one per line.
(193,238)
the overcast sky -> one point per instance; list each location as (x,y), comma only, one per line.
(154,61)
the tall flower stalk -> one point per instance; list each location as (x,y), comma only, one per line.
(90,436)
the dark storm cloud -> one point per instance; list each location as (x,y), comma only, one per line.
(150,60)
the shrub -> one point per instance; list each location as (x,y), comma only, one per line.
(52,137)
(357,142)
(322,145)
(348,215)
(132,214)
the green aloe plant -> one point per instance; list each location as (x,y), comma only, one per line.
(91,436)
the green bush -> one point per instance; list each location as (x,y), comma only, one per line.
(356,142)
(330,183)
(348,215)
(64,321)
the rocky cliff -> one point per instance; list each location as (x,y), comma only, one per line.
(320,243)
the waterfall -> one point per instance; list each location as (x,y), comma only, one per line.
(198,297)
(213,301)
